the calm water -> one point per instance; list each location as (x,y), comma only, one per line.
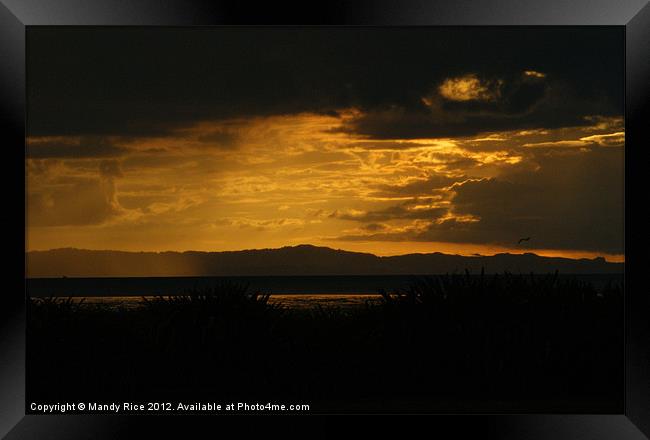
(311,285)
(290,291)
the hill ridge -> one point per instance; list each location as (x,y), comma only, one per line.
(291,260)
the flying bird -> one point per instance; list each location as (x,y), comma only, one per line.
(523,239)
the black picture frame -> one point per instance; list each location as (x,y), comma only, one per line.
(17,16)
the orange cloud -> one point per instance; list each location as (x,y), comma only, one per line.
(469,88)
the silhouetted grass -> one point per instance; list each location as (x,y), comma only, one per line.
(446,338)
(511,334)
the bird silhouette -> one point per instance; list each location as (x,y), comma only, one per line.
(523,239)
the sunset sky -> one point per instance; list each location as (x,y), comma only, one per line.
(382,140)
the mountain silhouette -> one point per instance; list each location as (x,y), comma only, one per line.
(292,260)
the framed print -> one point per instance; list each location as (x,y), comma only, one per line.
(376,210)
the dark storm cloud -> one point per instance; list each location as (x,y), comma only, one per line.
(507,94)
(548,103)
(143,82)
(572,202)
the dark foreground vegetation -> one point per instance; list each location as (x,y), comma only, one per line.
(448,343)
